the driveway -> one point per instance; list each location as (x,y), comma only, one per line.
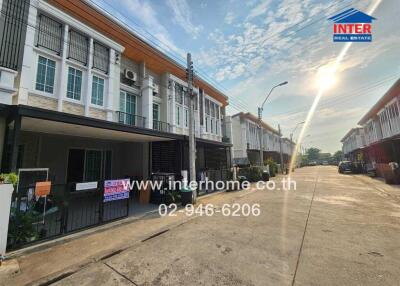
(332,230)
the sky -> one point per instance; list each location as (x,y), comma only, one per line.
(246,47)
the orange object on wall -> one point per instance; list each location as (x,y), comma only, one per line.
(42,189)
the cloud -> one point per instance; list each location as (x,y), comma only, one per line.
(229,17)
(183,17)
(260,9)
(143,11)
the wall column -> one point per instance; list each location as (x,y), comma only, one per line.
(28,69)
(89,78)
(63,71)
(147,101)
(172,107)
(111,87)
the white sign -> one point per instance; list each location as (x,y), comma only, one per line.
(86,186)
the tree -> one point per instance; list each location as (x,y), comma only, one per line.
(338,156)
(313,154)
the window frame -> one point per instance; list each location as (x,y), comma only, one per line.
(45,84)
(95,103)
(74,86)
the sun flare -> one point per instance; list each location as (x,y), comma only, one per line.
(326,77)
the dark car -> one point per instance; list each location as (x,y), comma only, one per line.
(345,167)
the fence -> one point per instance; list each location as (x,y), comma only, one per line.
(62,212)
(213,175)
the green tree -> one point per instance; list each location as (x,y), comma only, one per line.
(313,154)
(338,156)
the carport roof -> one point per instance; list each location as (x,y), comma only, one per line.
(72,119)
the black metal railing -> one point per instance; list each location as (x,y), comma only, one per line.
(161,126)
(49,34)
(101,57)
(131,119)
(63,211)
(14,16)
(78,47)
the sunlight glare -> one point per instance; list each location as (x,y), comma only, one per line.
(326,77)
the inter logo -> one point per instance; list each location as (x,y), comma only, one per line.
(352,26)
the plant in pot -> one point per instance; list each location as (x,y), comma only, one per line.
(9,178)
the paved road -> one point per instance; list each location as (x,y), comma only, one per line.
(333,230)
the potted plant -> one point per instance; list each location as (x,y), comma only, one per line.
(9,178)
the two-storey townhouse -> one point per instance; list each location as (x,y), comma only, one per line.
(381,126)
(246,140)
(87,98)
(353,144)
(288,148)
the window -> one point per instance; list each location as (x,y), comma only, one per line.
(212,125)
(127,106)
(186,117)
(100,57)
(178,93)
(74,83)
(156,117)
(97,90)
(207,103)
(49,34)
(207,120)
(178,115)
(45,75)
(88,165)
(78,47)
(156,111)
(93,165)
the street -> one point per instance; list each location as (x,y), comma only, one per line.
(333,230)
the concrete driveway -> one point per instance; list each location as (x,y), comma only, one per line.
(333,230)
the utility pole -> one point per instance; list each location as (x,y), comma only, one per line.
(261,137)
(280,147)
(192,140)
(260,111)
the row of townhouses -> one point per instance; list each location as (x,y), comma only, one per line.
(246,141)
(84,96)
(375,142)
(85,103)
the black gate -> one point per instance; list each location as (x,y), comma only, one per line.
(64,211)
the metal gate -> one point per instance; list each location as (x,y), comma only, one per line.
(63,211)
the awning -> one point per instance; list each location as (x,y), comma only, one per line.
(53,122)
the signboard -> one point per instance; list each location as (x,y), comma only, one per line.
(116,190)
(42,189)
(86,186)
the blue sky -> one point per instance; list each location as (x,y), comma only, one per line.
(245,47)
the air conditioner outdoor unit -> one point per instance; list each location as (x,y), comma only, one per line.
(155,88)
(130,75)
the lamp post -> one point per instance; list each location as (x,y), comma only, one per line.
(260,110)
(297,125)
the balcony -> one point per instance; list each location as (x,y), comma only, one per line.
(161,126)
(131,119)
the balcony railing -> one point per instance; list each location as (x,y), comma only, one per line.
(161,126)
(131,119)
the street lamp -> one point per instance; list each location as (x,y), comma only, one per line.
(297,125)
(260,110)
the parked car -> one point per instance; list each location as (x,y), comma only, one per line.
(345,167)
(313,163)
(325,163)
